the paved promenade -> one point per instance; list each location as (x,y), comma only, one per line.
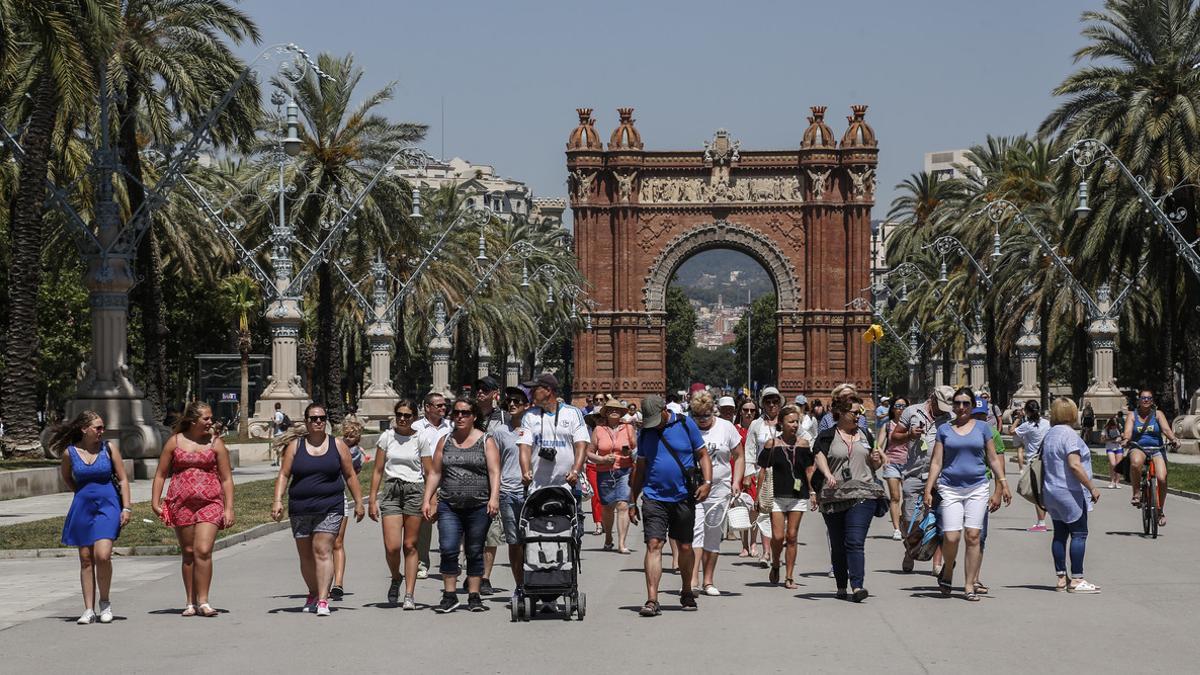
(904,627)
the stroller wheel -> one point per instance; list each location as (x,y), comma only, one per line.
(528,602)
(567,607)
(582,609)
(516,609)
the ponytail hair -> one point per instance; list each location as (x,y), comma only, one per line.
(191,415)
(70,433)
(1033,410)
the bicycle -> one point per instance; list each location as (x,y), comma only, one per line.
(1149,492)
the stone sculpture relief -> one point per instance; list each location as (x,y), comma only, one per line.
(581,184)
(625,185)
(862,183)
(700,191)
(819,180)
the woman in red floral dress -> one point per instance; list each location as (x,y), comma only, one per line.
(199,499)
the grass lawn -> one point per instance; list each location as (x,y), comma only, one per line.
(252,506)
(1180,476)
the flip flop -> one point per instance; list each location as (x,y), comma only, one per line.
(206,610)
(189,610)
(1084,587)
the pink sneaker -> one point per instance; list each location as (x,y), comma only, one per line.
(323,608)
(310,604)
(1040,527)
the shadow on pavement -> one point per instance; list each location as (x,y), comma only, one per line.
(1116,533)
(179,612)
(816,596)
(73,619)
(1033,587)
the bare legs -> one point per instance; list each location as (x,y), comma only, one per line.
(684,559)
(316,563)
(894,495)
(196,546)
(974,556)
(784,529)
(95,570)
(617,513)
(339,554)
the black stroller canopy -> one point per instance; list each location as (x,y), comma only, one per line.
(550,501)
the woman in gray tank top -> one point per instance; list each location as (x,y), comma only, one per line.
(462,491)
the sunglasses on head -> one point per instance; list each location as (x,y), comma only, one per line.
(317,418)
(461,413)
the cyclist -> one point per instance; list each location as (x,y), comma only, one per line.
(1146,427)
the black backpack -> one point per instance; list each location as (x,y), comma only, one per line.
(286,423)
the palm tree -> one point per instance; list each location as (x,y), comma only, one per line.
(344,146)
(1140,99)
(171,61)
(914,208)
(242,299)
(55,67)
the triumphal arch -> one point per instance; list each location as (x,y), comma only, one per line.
(803,213)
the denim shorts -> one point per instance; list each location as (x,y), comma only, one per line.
(511,504)
(614,486)
(306,524)
(891,471)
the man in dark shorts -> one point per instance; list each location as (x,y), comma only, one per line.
(669,443)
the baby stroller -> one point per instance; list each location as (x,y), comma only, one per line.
(547,531)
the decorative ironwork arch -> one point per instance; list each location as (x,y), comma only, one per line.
(722,234)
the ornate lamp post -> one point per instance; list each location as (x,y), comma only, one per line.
(976,351)
(1086,152)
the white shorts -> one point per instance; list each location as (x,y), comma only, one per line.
(962,507)
(789,505)
(708,536)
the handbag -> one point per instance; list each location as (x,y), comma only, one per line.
(766,491)
(114,478)
(920,530)
(1033,479)
(692,478)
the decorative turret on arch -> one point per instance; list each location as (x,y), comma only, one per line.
(722,234)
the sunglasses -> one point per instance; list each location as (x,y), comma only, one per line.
(514,401)
(461,413)
(317,418)
(901,406)
(405,416)
(697,416)
(964,404)
(436,405)
(749,411)
(1145,398)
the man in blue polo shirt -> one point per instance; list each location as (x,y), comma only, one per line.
(669,444)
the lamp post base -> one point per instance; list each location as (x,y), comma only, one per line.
(129,422)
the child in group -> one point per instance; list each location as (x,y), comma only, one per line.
(1114,450)
(352,429)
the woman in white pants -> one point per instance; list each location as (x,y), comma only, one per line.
(724,445)
(958,471)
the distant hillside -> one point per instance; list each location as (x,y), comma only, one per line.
(707,275)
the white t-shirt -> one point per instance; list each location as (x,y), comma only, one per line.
(675,408)
(1031,435)
(720,440)
(428,435)
(633,418)
(403,455)
(278,423)
(808,428)
(560,429)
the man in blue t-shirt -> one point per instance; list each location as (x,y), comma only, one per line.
(668,445)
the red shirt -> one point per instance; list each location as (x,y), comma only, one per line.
(611,441)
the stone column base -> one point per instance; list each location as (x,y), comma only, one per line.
(373,410)
(264,414)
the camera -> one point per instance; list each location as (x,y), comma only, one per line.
(625,450)
(547,453)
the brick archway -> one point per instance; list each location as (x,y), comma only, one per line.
(803,213)
(722,234)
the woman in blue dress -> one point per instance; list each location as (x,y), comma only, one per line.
(97,512)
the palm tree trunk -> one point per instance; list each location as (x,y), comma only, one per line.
(244,394)
(1080,361)
(148,295)
(328,354)
(1044,351)
(1170,328)
(19,394)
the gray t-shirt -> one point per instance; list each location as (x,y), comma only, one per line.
(918,450)
(850,463)
(507,440)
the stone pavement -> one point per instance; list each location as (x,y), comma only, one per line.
(904,627)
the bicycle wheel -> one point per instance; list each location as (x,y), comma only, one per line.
(1145,507)
(1154,507)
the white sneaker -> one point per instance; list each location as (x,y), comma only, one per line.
(422,573)
(712,590)
(323,608)
(106,612)
(896,536)
(87,617)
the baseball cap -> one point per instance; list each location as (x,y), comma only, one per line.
(487,383)
(652,411)
(943,395)
(726,402)
(543,380)
(769,391)
(516,392)
(981,407)
(801,399)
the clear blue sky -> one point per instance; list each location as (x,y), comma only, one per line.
(937,75)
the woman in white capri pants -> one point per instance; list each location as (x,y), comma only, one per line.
(958,471)
(724,445)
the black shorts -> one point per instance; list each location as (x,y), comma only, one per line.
(661,520)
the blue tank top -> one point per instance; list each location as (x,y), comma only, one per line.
(1147,434)
(317,484)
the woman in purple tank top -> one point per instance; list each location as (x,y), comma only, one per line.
(319,468)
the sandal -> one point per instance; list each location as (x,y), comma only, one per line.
(1162,519)
(744,554)
(624,551)
(189,610)
(790,584)
(773,577)
(1136,501)
(972,596)
(649,609)
(1084,586)
(206,609)
(1061,584)
(945,587)
(980,588)
(608,546)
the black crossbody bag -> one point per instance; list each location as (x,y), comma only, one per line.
(692,478)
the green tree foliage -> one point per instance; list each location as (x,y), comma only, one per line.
(764,355)
(717,367)
(681,330)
